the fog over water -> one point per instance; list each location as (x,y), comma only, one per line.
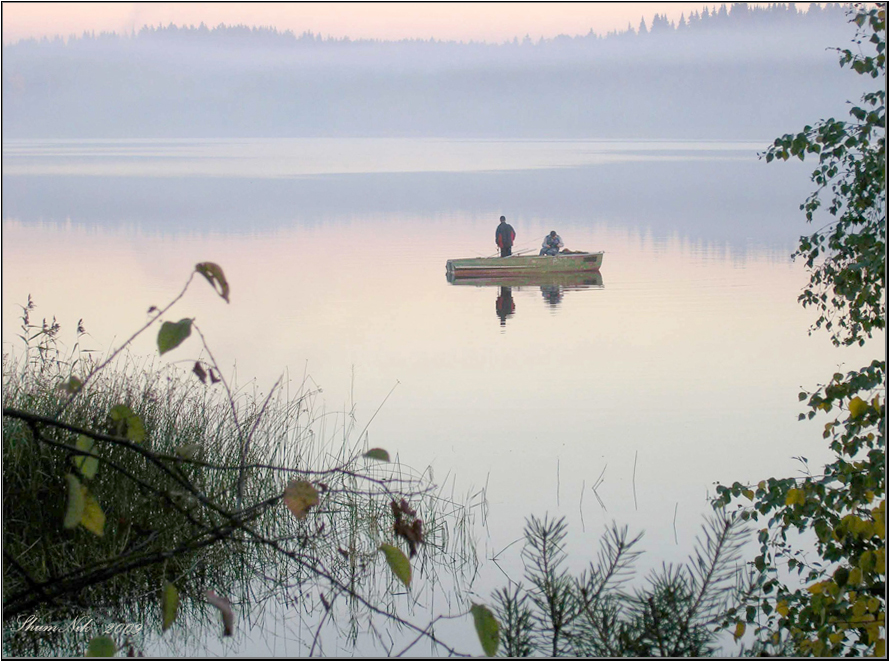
(658,186)
(742,74)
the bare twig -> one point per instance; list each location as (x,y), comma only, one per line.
(126,343)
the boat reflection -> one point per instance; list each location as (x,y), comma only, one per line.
(553,287)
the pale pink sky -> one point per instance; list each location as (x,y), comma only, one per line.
(493,21)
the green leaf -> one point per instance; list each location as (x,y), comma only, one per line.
(398,562)
(173,333)
(487,628)
(300,497)
(72,385)
(214,274)
(135,429)
(101,646)
(75,509)
(119,413)
(129,423)
(377,454)
(169,604)
(188,450)
(88,465)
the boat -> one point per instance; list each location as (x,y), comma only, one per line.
(519,265)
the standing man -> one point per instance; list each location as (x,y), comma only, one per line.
(504,237)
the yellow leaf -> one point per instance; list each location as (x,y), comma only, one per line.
(873,604)
(880,648)
(868,561)
(850,522)
(762,485)
(880,560)
(792,496)
(739,631)
(93,519)
(75,509)
(855,577)
(816,588)
(857,406)
(749,493)
(859,609)
(872,631)
(783,608)
(127,422)
(837,637)
(86,464)
(169,605)
(300,497)
(866,529)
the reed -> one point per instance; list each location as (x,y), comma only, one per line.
(233,450)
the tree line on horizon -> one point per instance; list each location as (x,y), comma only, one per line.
(738,15)
(769,69)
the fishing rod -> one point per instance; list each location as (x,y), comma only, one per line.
(497,254)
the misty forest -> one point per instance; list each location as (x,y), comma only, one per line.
(720,74)
(555,347)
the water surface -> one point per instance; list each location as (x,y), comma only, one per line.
(679,370)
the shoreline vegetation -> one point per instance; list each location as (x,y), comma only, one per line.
(819,585)
(178,477)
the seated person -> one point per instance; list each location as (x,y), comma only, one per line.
(551,245)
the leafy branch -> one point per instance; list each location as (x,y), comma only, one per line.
(168,509)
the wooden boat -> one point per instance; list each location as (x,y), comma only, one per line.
(519,265)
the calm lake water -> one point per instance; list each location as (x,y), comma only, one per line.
(680,371)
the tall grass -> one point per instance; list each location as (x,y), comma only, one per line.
(197,433)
